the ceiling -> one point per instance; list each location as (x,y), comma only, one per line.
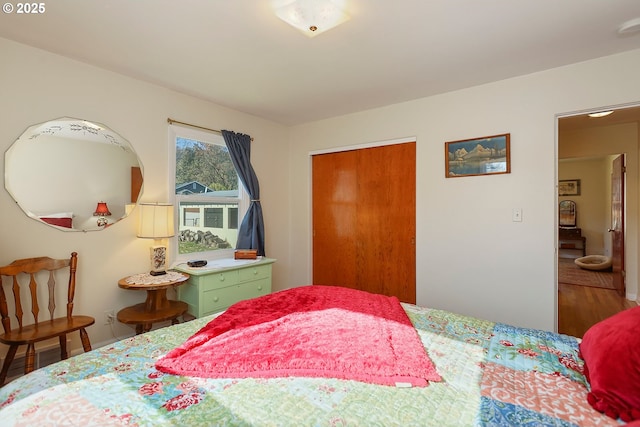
(619,116)
(238,54)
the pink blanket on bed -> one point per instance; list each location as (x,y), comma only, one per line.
(310,331)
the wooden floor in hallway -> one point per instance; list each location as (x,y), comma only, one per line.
(580,307)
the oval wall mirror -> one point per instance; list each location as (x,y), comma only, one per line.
(73,175)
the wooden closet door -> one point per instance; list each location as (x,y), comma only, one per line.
(364,220)
(334,218)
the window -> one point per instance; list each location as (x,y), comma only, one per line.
(213,217)
(209,197)
(233,218)
(191,217)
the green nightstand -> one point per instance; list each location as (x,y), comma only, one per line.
(221,283)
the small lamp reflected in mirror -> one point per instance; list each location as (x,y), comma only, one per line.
(156,222)
(101,212)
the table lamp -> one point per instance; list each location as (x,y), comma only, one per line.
(156,222)
(101,212)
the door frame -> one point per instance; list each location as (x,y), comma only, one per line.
(617,231)
(627,253)
(310,182)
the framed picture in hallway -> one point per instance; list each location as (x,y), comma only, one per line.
(569,187)
(488,155)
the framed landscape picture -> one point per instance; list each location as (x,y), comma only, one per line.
(489,155)
(569,187)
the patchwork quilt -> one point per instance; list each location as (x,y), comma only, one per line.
(492,375)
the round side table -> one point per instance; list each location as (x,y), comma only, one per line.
(156,308)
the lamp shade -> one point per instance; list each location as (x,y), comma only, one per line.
(102,210)
(155,221)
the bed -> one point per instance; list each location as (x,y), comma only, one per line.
(488,374)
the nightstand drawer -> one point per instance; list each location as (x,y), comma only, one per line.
(256,288)
(222,279)
(570,233)
(254,273)
(220,299)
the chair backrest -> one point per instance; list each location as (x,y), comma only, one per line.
(30,267)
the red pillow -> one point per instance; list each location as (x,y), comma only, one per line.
(611,353)
(60,222)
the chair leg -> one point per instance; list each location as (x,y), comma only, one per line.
(30,359)
(11,353)
(84,337)
(63,347)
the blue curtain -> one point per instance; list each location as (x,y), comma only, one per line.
(251,232)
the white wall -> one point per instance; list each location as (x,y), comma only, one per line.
(37,86)
(471,257)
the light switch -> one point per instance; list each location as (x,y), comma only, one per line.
(517,215)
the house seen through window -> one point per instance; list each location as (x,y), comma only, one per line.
(209,198)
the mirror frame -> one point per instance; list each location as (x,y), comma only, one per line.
(60,171)
(567,214)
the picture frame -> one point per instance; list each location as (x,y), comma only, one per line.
(488,155)
(569,187)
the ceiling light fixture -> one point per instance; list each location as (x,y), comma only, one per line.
(313,17)
(600,114)
(630,26)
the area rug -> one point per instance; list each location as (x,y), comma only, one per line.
(309,331)
(571,274)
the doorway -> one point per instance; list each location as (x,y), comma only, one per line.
(585,139)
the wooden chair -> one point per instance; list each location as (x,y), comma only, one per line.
(41,329)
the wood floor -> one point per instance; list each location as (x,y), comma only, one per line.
(580,307)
